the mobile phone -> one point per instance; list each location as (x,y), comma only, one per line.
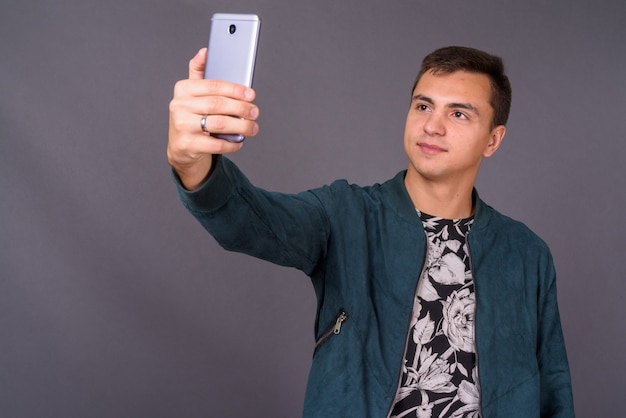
(233,41)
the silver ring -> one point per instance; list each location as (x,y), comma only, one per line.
(203,124)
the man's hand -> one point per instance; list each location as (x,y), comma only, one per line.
(190,150)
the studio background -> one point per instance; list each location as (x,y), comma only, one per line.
(115,302)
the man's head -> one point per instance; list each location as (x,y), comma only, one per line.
(455,58)
(459,106)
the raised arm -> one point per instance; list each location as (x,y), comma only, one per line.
(190,150)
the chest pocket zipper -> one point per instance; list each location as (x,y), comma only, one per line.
(333,329)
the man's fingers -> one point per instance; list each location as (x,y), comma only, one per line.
(219,105)
(218,124)
(196,65)
(190,124)
(205,88)
(226,89)
(187,113)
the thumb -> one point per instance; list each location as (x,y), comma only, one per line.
(197,64)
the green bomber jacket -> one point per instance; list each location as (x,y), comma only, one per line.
(364,249)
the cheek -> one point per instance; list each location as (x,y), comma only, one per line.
(408,122)
(412,126)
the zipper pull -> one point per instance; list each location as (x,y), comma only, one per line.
(340,319)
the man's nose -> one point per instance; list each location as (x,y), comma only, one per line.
(435,124)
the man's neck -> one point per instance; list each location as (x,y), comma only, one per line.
(448,201)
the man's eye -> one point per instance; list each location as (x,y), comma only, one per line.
(460,115)
(422,107)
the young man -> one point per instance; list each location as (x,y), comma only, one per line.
(430,303)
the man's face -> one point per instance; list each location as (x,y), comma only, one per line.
(448,128)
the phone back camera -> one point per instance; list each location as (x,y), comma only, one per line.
(232,29)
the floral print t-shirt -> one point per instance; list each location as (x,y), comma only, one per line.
(439,372)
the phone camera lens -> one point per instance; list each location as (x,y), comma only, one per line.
(232,29)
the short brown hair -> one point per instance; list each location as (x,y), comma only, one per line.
(458,58)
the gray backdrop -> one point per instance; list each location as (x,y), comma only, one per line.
(114,301)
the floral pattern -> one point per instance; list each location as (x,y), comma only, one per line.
(439,372)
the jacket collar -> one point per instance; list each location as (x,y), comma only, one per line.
(404,205)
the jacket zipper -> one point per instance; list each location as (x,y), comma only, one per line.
(480,389)
(408,327)
(333,329)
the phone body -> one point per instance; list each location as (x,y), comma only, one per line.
(233,41)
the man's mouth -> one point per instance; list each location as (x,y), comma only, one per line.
(430,149)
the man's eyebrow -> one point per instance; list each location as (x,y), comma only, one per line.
(423,98)
(466,106)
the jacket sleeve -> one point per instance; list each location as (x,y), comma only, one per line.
(556,391)
(285,229)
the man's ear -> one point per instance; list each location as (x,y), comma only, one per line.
(495,139)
